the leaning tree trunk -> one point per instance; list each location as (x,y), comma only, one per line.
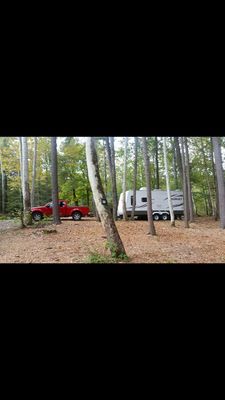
(135,176)
(124,178)
(152,230)
(168,183)
(114,241)
(27,217)
(54,167)
(220,179)
(34,172)
(185,191)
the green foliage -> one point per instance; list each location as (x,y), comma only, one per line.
(113,249)
(96,258)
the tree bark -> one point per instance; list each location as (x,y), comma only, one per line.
(168,183)
(152,230)
(190,202)
(179,158)
(174,163)
(54,168)
(34,172)
(135,176)
(220,179)
(25,180)
(114,241)
(217,207)
(124,179)
(114,188)
(156,163)
(185,192)
(3,185)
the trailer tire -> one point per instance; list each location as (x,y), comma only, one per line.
(165,217)
(156,217)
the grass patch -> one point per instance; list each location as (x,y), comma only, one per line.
(97,258)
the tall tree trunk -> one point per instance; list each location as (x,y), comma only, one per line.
(211,202)
(168,183)
(54,168)
(114,240)
(174,163)
(105,169)
(27,219)
(156,163)
(217,207)
(179,158)
(185,191)
(152,230)
(3,185)
(114,188)
(124,178)
(135,176)
(34,172)
(220,179)
(190,202)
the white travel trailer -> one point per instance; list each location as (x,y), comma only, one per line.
(160,205)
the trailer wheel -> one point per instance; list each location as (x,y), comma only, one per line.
(165,217)
(156,217)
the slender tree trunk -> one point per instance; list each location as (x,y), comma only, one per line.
(114,188)
(174,163)
(168,183)
(27,219)
(3,185)
(185,192)
(34,172)
(179,158)
(124,179)
(114,240)
(190,202)
(135,176)
(211,202)
(157,162)
(220,179)
(105,169)
(152,230)
(217,207)
(54,168)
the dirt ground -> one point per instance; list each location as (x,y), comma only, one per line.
(73,242)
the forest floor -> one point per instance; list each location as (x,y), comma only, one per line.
(85,241)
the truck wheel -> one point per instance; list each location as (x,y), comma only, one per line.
(37,216)
(156,217)
(76,216)
(165,217)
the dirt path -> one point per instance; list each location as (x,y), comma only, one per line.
(73,242)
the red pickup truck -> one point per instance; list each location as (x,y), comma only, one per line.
(76,212)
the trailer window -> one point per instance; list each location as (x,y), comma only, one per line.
(144,199)
(131,199)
